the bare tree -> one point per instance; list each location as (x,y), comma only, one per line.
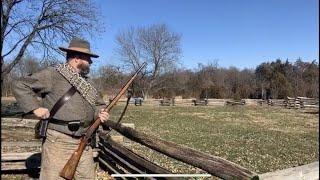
(155,44)
(42,25)
(129,48)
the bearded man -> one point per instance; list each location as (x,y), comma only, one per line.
(69,104)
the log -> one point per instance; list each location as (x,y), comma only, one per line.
(301,102)
(290,98)
(16,166)
(21,144)
(105,152)
(235,102)
(132,157)
(306,98)
(19,125)
(311,106)
(212,164)
(201,102)
(20,161)
(11,157)
(111,168)
(19,120)
(7,157)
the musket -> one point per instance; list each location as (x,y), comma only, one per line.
(70,167)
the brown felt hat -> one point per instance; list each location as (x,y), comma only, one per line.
(79,45)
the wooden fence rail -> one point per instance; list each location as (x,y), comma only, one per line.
(276,102)
(17,163)
(292,103)
(23,163)
(117,159)
(112,153)
(167,102)
(308,102)
(29,163)
(200,102)
(212,164)
(236,102)
(302,102)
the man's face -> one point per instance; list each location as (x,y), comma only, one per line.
(84,64)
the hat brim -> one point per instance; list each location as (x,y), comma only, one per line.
(77,50)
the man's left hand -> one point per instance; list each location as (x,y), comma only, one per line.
(104,116)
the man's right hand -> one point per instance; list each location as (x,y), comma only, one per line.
(42,113)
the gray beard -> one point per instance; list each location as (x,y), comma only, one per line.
(86,90)
(84,70)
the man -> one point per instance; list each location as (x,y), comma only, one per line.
(74,116)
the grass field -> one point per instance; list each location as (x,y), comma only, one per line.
(259,138)
(262,139)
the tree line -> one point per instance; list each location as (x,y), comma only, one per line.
(269,80)
(276,80)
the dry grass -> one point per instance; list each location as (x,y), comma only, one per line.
(262,139)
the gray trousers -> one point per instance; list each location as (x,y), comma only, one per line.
(56,151)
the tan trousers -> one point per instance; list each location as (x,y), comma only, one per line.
(56,150)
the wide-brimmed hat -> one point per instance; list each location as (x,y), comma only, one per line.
(79,45)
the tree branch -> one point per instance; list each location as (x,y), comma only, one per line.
(46,23)
(15,46)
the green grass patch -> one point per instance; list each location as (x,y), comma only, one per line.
(262,139)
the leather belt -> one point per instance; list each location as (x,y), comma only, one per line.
(72,125)
(62,122)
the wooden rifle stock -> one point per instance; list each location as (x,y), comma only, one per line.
(70,167)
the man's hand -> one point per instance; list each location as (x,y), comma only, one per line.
(104,116)
(42,113)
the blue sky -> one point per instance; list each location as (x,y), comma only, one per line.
(240,33)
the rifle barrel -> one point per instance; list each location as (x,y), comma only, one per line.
(70,167)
